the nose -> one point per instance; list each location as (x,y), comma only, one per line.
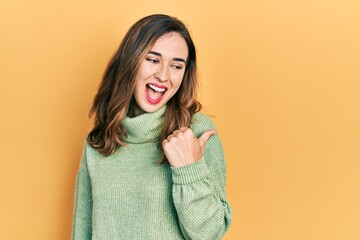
(162,74)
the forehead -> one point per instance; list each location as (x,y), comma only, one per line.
(171,45)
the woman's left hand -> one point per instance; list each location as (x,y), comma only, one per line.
(182,147)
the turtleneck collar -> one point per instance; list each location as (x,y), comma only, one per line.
(145,127)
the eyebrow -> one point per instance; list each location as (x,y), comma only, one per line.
(176,59)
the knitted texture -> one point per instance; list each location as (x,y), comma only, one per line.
(127,196)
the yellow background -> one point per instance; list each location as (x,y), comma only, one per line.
(281,77)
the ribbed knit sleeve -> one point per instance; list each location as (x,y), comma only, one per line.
(81,229)
(199,193)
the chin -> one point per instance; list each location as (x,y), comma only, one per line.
(152,108)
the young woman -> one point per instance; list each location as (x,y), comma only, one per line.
(152,166)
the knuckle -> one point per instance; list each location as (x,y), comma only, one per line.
(170,137)
(177,133)
(183,128)
(188,131)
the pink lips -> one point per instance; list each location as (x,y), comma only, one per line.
(154,101)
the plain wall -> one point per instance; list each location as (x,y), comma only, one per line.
(282,79)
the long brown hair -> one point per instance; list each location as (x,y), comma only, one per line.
(115,93)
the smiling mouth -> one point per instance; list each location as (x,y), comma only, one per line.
(154,93)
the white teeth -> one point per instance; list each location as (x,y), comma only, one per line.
(155,88)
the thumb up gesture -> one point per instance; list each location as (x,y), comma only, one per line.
(182,147)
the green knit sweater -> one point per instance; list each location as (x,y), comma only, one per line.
(127,196)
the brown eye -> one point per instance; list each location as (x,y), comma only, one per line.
(152,60)
(177,67)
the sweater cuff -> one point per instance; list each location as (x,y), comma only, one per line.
(190,173)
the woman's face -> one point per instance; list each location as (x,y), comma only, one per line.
(160,73)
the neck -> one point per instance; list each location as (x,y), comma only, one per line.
(134,110)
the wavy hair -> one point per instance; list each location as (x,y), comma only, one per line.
(115,93)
